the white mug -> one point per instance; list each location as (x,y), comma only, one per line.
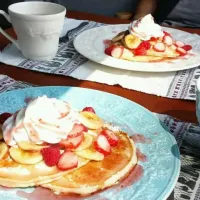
(38,26)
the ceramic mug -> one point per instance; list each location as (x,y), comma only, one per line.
(198,99)
(38,26)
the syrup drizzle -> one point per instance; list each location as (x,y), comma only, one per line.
(134,176)
(141,157)
(39,192)
(139,138)
(106,42)
(5,188)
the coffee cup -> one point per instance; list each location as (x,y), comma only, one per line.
(38,26)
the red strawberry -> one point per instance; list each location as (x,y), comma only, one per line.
(68,160)
(167,40)
(166,33)
(179,44)
(4,117)
(181,51)
(140,51)
(111,137)
(109,49)
(117,52)
(102,145)
(72,142)
(160,47)
(51,155)
(145,44)
(187,47)
(77,130)
(89,109)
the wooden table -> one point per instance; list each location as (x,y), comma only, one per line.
(182,109)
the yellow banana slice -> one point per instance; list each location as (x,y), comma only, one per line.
(28,146)
(90,120)
(86,143)
(25,157)
(90,154)
(3,149)
(131,41)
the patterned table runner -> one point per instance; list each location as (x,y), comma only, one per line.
(68,62)
(187,136)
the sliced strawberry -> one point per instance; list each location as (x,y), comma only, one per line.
(89,109)
(4,117)
(117,52)
(179,44)
(187,47)
(102,145)
(109,49)
(166,33)
(181,51)
(72,142)
(145,44)
(140,51)
(160,47)
(77,130)
(51,155)
(111,137)
(68,160)
(167,40)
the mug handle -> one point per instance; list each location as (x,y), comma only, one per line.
(4,33)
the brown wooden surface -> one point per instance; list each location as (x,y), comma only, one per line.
(182,109)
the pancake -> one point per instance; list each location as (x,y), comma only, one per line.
(13,174)
(168,53)
(98,175)
(145,59)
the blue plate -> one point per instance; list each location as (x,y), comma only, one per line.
(161,170)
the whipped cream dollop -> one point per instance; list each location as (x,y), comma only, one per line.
(145,28)
(42,120)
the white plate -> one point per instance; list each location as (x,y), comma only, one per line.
(90,44)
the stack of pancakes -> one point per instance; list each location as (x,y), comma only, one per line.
(88,177)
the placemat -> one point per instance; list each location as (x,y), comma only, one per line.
(187,136)
(68,62)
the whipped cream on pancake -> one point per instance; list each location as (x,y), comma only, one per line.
(145,28)
(42,120)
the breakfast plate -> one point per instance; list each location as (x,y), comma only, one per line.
(157,170)
(91,44)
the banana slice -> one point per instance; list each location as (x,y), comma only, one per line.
(86,143)
(3,149)
(90,154)
(119,36)
(131,41)
(25,157)
(90,120)
(28,146)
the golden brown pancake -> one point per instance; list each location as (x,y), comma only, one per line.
(168,53)
(13,174)
(98,175)
(145,59)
